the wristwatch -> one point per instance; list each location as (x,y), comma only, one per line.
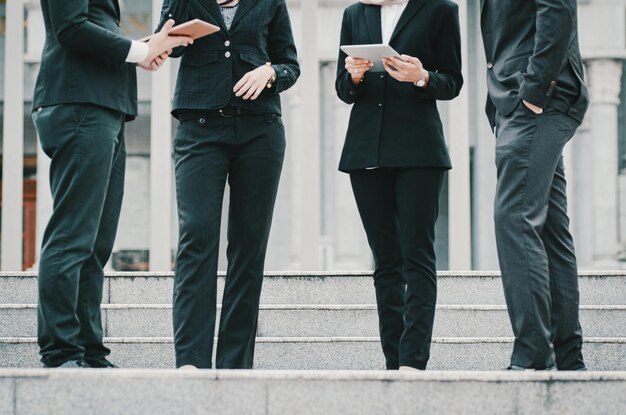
(422,82)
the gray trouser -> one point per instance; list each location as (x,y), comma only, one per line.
(535,247)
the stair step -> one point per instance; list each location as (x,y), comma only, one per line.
(297,320)
(319,288)
(312,393)
(330,353)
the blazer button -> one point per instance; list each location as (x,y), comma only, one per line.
(489,65)
(201,121)
(227,54)
(227,43)
(382,77)
(380,105)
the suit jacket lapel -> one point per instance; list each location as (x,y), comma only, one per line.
(411,9)
(212,7)
(244,7)
(374,25)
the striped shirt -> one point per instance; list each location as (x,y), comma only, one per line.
(228,13)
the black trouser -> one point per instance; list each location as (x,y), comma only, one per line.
(247,150)
(86,144)
(399,208)
(535,247)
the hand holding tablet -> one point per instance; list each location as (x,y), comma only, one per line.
(373,53)
(195,29)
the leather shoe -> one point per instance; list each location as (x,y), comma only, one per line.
(516,368)
(70,364)
(101,364)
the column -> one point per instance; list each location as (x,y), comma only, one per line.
(604,87)
(13,138)
(160,163)
(34,47)
(581,201)
(484,168)
(459,212)
(310,248)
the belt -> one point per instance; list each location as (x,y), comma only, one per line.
(229,111)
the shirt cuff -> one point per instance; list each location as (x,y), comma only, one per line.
(138,52)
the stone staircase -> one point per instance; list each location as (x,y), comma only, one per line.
(317,321)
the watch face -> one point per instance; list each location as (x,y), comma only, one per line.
(420,83)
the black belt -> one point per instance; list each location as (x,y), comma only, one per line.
(226,112)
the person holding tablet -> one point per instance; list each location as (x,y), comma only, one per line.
(228,104)
(396,156)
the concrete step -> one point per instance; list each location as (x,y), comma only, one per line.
(297,320)
(329,353)
(38,391)
(606,287)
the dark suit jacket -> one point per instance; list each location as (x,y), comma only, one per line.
(210,68)
(396,124)
(533,54)
(84,57)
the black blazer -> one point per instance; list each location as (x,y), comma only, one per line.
(210,68)
(533,54)
(84,57)
(396,124)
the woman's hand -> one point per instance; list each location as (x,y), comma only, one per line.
(405,68)
(254,82)
(356,68)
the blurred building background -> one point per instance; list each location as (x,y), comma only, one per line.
(316,225)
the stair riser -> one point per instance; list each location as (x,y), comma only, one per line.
(318,323)
(317,290)
(330,356)
(196,393)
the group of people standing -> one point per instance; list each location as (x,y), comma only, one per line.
(230,129)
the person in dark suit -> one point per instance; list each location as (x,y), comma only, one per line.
(537,99)
(85,91)
(228,104)
(396,156)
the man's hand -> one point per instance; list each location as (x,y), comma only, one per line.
(405,68)
(156,63)
(254,82)
(161,43)
(537,110)
(356,68)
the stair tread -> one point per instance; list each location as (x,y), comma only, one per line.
(335,339)
(334,375)
(356,307)
(327,274)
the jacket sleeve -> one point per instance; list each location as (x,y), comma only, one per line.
(446,80)
(73,30)
(282,50)
(346,90)
(177,10)
(554,23)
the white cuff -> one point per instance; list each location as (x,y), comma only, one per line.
(138,52)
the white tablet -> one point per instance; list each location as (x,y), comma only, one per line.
(373,53)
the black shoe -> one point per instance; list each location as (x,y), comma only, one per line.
(70,364)
(101,364)
(516,368)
